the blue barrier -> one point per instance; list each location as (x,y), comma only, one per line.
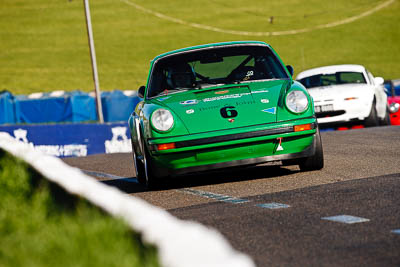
(67,140)
(83,107)
(42,110)
(73,106)
(117,106)
(7,113)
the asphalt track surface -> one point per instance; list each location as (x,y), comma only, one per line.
(279,215)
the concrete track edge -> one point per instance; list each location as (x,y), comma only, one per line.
(180,243)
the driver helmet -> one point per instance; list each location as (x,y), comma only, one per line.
(181,76)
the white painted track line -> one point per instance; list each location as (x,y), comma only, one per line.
(248,33)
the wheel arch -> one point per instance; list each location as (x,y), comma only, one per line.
(136,129)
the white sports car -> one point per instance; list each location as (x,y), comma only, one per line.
(346,94)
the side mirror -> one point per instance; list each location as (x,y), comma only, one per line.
(141,91)
(290,69)
(379,81)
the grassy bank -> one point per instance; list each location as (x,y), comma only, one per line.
(44,44)
(41,225)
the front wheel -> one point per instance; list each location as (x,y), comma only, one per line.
(315,162)
(151,181)
(372,119)
(386,120)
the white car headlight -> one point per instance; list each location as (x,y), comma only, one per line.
(297,101)
(162,119)
(394,107)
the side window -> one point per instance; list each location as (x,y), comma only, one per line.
(276,68)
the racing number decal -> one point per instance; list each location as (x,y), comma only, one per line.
(250,73)
(228,112)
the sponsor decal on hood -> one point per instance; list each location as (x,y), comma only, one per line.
(270,110)
(189,102)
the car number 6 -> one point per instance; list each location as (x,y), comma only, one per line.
(228,112)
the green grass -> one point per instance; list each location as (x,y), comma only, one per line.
(43,43)
(40,225)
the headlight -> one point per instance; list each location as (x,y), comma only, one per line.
(297,101)
(394,107)
(162,119)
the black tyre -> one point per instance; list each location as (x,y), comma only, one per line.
(151,181)
(315,162)
(372,119)
(386,119)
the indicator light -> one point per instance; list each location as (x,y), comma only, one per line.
(166,146)
(303,127)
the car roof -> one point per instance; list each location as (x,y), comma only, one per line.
(210,45)
(330,69)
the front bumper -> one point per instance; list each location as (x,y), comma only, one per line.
(309,151)
(344,111)
(237,147)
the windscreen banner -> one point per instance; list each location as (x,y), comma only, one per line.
(73,140)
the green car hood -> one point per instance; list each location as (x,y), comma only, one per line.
(226,107)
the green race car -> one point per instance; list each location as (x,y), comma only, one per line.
(221,105)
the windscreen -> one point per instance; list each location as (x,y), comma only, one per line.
(333,79)
(214,66)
